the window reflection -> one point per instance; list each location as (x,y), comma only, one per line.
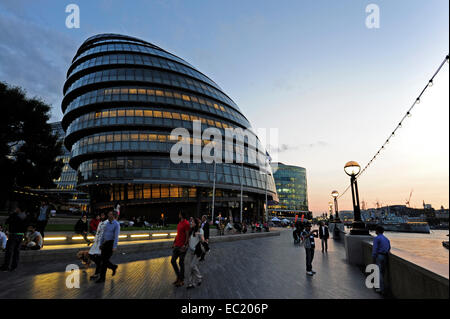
(115,94)
(154,77)
(80,122)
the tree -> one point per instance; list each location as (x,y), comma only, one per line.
(28,147)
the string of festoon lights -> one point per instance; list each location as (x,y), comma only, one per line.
(399,125)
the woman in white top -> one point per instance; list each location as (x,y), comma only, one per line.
(95,252)
(193,254)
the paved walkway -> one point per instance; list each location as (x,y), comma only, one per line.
(270,267)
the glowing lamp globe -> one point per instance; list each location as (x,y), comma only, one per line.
(352,168)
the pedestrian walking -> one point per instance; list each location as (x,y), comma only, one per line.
(117,209)
(93,224)
(43,217)
(17,223)
(95,251)
(179,248)
(195,251)
(205,227)
(108,244)
(380,252)
(324,234)
(3,239)
(82,228)
(310,245)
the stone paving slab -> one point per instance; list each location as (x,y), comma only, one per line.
(267,267)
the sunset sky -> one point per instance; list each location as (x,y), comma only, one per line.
(334,88)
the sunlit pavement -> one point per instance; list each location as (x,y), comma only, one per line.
(269,267)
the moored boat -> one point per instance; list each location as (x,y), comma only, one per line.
(408,227)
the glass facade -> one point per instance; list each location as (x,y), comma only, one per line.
(68,178)
(291,187)
(66,195)
(122,98)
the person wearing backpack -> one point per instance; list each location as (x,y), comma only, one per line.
(195,250)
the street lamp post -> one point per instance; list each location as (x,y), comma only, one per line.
(267,176)
(352,169)
(335,195)
(265,212)
(330,206)
(242,189)
(214,192)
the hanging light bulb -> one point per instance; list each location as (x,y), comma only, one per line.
(430,83)
(387,141)
(409,114)
(417,101)
(400,125)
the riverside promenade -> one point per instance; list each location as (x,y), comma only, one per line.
(264,267)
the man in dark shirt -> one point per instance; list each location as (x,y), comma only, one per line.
(324,234)
(82,228)
(179,248)
(17,223)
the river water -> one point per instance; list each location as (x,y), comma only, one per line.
(425,245)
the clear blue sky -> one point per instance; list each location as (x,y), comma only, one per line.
(333,88)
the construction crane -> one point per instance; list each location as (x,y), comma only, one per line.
(377,204)
(408,201)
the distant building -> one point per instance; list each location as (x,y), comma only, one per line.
(346,215)
(292,190)
(65,196)
(68,178)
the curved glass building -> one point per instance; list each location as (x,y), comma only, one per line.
(122,99)
(292,190)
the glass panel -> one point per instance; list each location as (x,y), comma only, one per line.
(155,191)
(147,192)
(164,191)
(174,191)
